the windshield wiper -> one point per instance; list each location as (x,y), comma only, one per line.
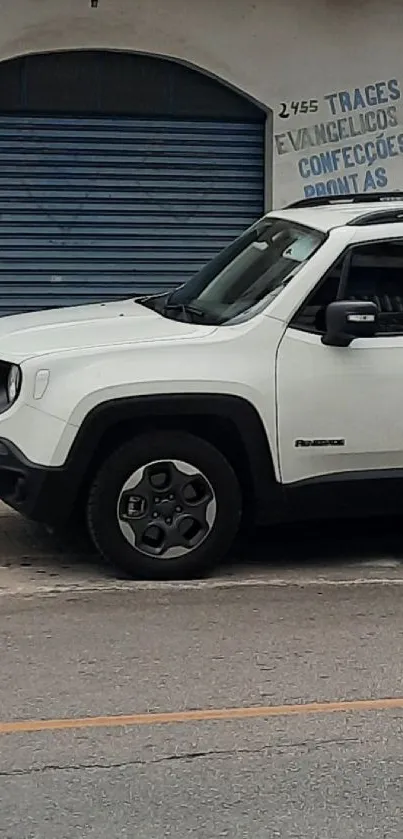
(189,311)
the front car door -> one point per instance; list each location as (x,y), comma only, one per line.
(340,409)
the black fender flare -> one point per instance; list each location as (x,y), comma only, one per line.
(237,412)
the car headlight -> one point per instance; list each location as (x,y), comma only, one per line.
(13,383)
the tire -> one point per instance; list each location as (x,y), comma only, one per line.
(133,531)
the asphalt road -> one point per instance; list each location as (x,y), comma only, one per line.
(84,654)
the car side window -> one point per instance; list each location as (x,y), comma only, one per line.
(375,273)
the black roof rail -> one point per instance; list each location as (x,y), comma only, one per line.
(383,217)
(356,198)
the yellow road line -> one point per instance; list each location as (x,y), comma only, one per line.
(203,715)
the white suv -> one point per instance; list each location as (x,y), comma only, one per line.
(268,387)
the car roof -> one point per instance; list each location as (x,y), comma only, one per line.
(337,211)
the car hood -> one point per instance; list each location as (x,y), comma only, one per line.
(88,327)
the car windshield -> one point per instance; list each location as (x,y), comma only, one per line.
(248,274)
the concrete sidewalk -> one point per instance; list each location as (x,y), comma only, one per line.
(33,562)
(31,559)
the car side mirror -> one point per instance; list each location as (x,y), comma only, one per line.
(349,319)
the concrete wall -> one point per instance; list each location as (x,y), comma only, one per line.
(289,51)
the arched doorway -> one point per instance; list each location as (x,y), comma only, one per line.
(120,174)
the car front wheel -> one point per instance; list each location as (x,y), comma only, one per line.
(165,505)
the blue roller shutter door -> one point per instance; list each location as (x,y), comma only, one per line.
(99,208)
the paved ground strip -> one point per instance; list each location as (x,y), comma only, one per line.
(34,562)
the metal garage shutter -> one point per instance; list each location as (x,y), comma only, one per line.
(98,208)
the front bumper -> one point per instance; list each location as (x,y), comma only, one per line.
(44,494)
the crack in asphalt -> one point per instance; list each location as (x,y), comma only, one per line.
(185,756)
